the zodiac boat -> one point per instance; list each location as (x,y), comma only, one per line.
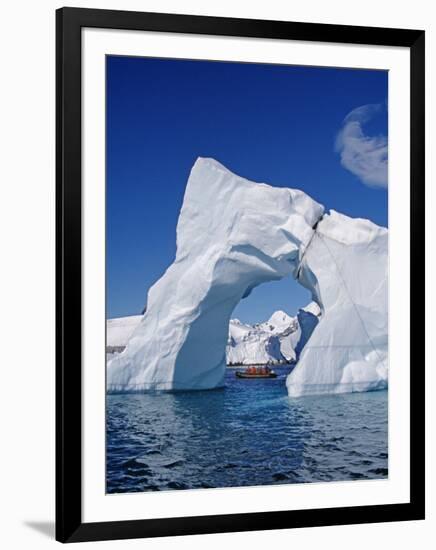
(256,373)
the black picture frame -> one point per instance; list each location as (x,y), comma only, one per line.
(69,525)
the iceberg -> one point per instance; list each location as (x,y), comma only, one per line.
(233,235)
(346,268)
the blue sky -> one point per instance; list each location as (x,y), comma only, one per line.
(282,125)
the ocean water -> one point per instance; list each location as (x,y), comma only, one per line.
(249,433)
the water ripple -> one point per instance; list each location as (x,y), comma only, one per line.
(250,433)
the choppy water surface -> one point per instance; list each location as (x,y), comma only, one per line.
(249,433)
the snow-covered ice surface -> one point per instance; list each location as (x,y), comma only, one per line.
(233,235)
(346,267)
(293,341)
(119,330)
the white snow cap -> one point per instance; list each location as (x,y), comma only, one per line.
(279,318)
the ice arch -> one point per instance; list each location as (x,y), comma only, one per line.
(233,235)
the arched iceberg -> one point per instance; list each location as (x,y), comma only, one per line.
(232,235)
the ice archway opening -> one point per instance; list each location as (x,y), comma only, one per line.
(271,325)
(233,235)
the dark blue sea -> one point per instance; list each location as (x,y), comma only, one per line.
(249,433)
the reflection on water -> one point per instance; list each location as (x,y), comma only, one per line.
(249,433)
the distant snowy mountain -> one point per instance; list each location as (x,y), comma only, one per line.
(248,345)
(286,329)
(279,322)
(276,341)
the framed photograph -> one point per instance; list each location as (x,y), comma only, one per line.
(240,258)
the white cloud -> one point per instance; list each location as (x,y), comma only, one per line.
(364,156)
